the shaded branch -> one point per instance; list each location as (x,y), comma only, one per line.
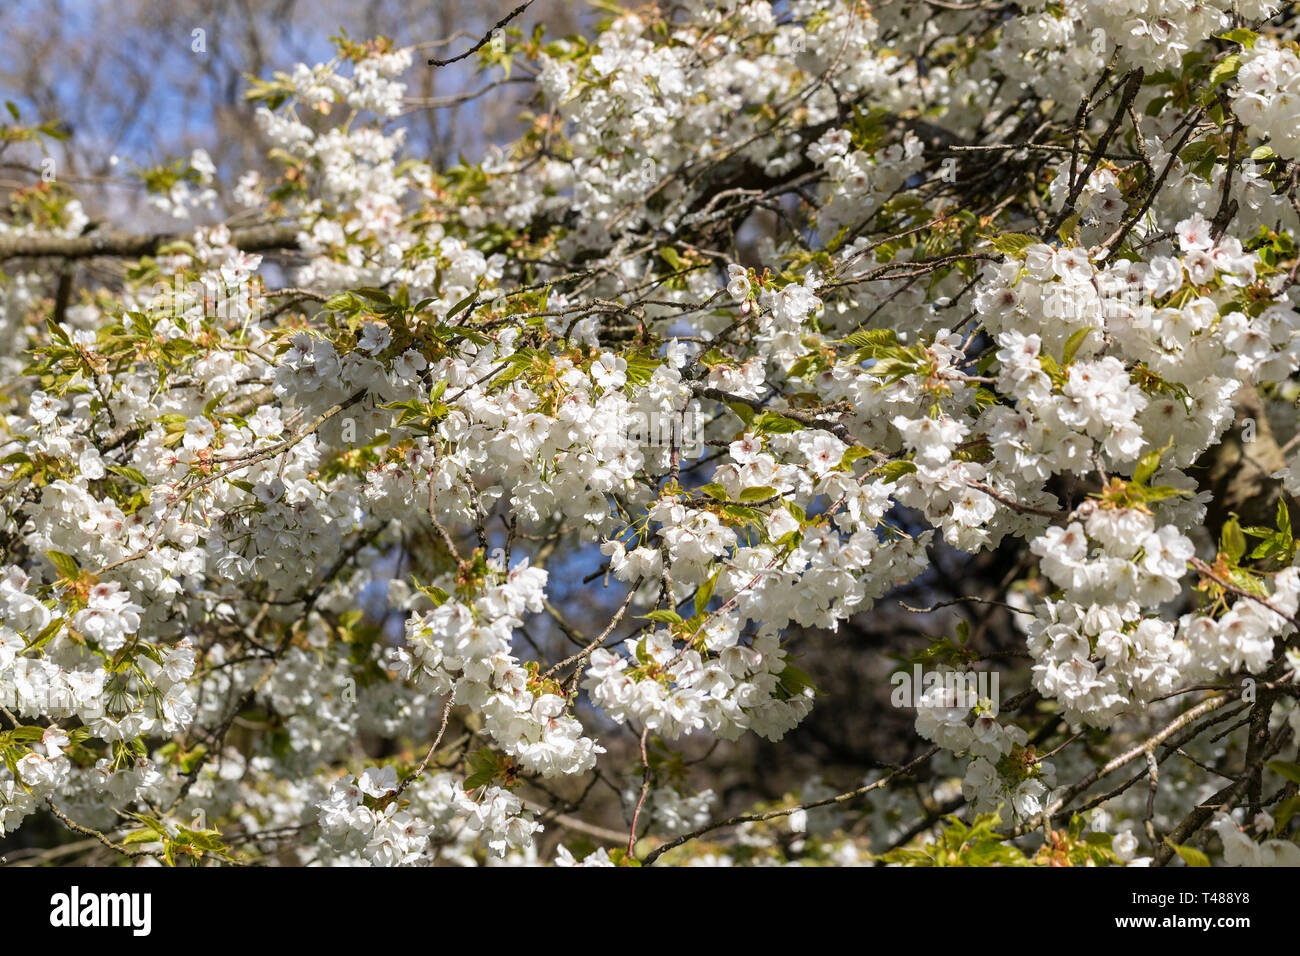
(128,245)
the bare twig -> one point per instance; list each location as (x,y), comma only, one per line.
(486,37)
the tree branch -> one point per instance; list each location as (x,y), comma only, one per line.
(127,245)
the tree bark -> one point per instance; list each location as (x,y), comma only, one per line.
(126,245)
(1240,473)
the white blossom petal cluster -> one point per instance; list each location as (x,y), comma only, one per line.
(520,477)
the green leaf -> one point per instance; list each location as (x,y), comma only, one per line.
(1285,769)
(705,592)
(153,823)
(1241,35)
(464,303)
(1149,463)
(1146,467)
(744,412)
(663,617)
(1161,492)
(485,763)
(1283,814)
(760,493)
(670,256)
(872,339)
(1231,541)
(1068,227)
(46,634)
(1073,343)
(853,453)
(1191,856)
(129,473)
(773,422)
(1225,69)
(794,681)
(893,470)
(1011,243)
(1157,105)
(64,563)
(57,332)
(641,368)
(207,840)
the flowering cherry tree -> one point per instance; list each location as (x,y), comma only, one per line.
(767,306)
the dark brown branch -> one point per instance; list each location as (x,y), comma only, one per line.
(127,245)
(486,37)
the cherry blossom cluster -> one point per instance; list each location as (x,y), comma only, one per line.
(913,334)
